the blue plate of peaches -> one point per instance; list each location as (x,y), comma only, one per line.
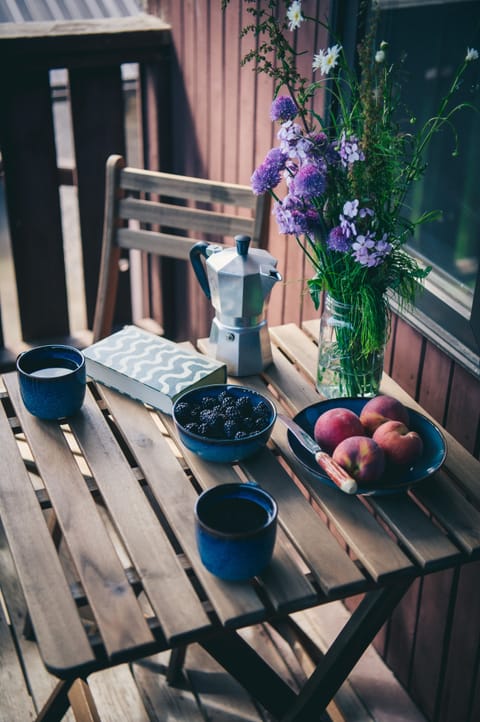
(412,447)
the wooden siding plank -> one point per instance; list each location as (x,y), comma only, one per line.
(401,634)
(458,685)
(463,415)
(408,355)
(435,382)
(431,633)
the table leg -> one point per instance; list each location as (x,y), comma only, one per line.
(265,685)
(253,673)
(345,652)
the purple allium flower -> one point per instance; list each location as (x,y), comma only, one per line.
(309,182)
(265,177)
(337,240)
(283,108)
(350,150)
(276,158)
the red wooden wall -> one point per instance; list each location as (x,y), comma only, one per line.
(222,130)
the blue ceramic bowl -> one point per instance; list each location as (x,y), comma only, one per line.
(52,380)
(395,478)
(211,443)
(235,527)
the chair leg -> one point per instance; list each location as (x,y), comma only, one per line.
(82,702)
(175,664)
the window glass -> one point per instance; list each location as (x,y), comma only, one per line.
(433,37)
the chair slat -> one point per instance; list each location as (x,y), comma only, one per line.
(184,217)
(177,186)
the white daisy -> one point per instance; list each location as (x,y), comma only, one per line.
(294,15)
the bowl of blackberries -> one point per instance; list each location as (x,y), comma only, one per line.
(224,422)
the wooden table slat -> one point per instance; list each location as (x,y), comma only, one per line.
(416,532)
(298,347)
(176,497)
(452,510)
(48,596)
(159,569)
(331,566)
(81,524)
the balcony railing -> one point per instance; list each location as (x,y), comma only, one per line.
(92,53)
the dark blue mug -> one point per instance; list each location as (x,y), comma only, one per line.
(236,527)
(52,380)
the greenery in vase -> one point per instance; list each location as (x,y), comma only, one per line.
(340,179)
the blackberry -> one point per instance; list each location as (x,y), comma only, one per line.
(183,412)
(247,424)
(230,428)
(232,412)
(212,421)
(244,405)
(226,398)
(261,411)
(208,402)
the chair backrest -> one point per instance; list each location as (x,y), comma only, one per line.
(154,212)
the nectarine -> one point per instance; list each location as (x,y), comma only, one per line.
(380,409)
(401,446)
(362,458)
(335,425)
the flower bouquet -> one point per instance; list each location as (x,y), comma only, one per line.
(340,180)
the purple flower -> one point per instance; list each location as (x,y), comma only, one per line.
(369,252)
(292,141)
(294,218)
(350,208)
(283,108)
(276,158)
(348,226)
(337,240)
(267,175)
(350,150)
(309,182)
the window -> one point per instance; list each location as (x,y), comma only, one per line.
(432,36)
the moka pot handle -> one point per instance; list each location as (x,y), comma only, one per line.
(196,253)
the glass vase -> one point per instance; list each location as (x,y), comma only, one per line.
(345,368)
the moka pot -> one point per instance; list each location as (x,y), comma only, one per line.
(238,281)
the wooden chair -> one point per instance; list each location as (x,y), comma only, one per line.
(155,212)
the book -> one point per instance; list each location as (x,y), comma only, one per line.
(150,368)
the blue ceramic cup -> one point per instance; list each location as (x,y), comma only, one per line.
(52,380)
(235,527)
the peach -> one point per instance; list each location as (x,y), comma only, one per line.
(335,425)
(362,457)
(401,446)
(380,409)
